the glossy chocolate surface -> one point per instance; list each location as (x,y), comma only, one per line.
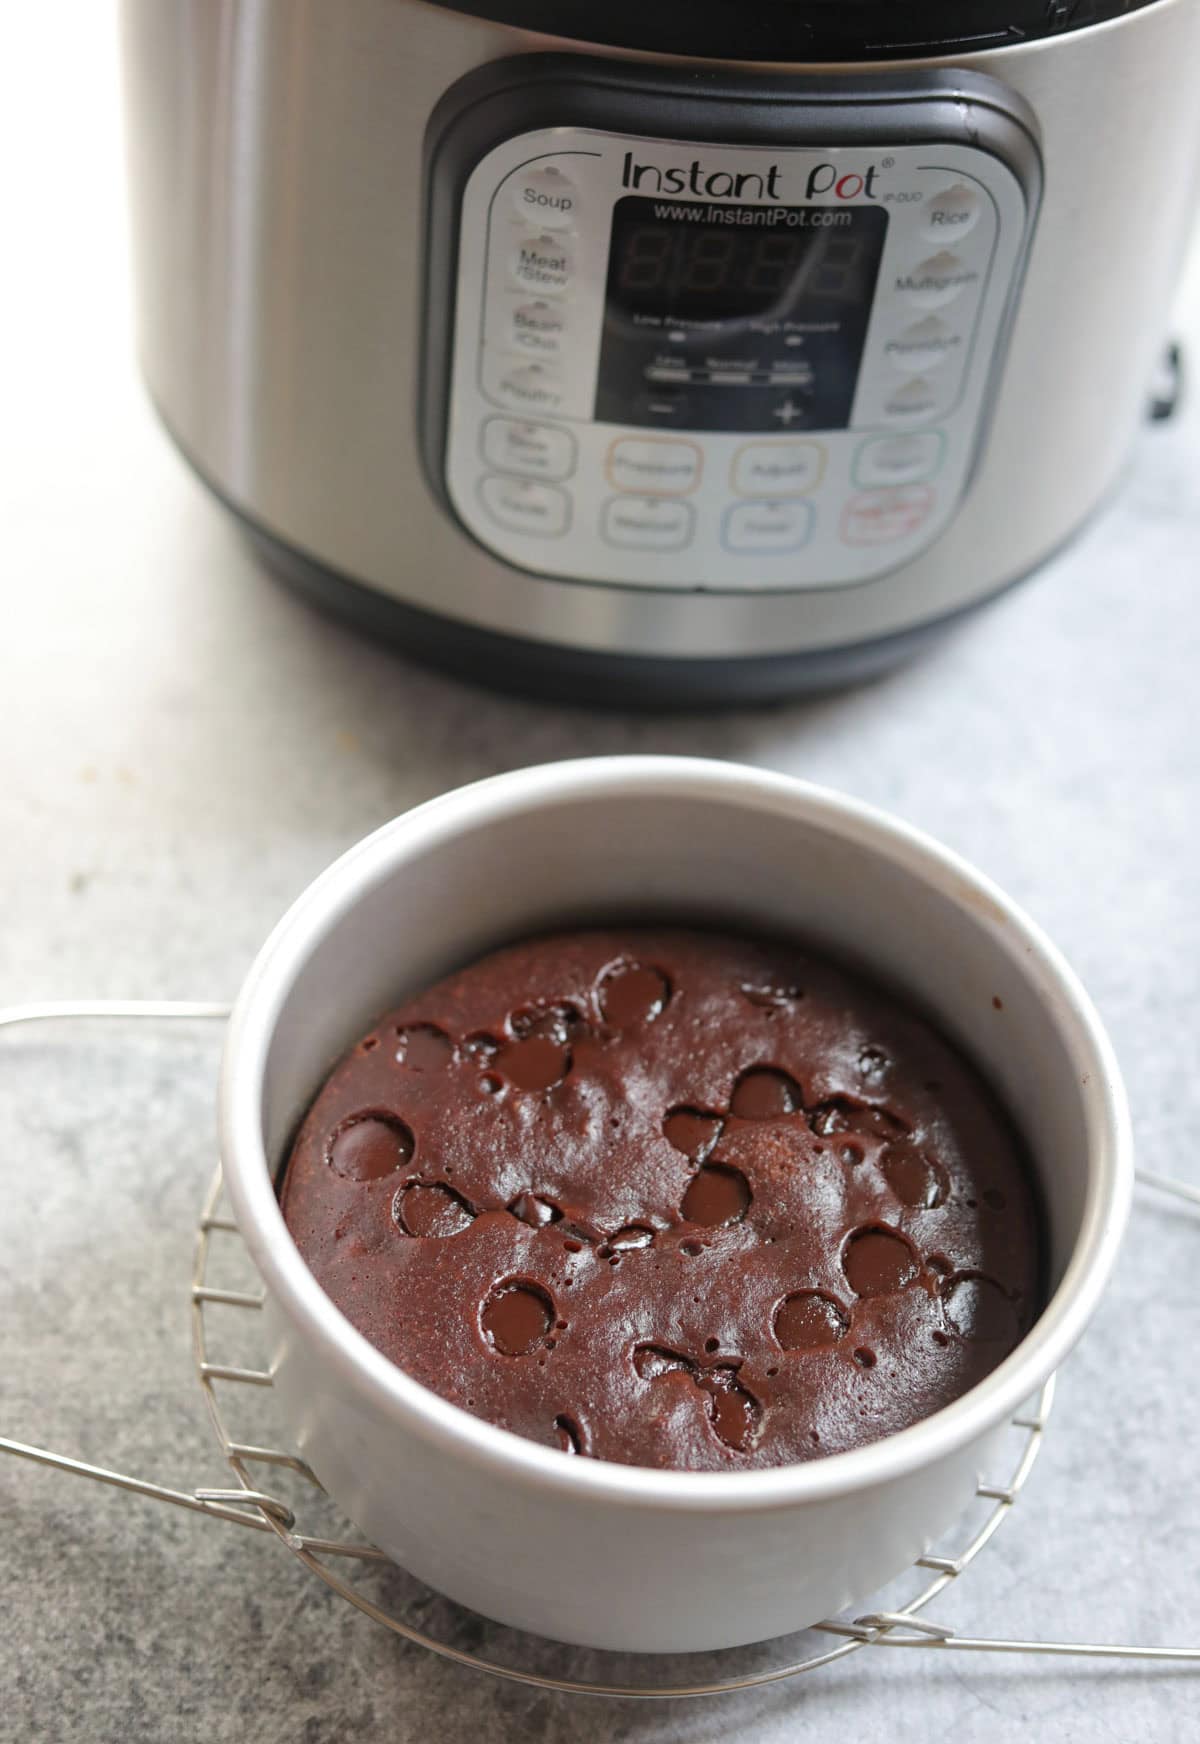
(671,1198)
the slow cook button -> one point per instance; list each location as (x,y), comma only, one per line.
(654,466)
(535,450)
(647,523)
(539,328)
(533,388)
(951,214)
(937,281)
(881,517)
(545,196)
(525,506)
(883,460)
(542,263)
(924,345)
(763,528)
(777,469)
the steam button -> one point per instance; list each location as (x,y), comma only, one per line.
(542,263)
(951,214)
(544,196)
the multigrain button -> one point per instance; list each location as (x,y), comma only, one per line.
(923,345)
(654,465)
(544,195)
(542,263)
(937,281)
(884,460)
(951,214)
(539,328)
(647,523)
(533,388)
(777,469)
(534,450)
(766,528)
(883,516)
(525,506)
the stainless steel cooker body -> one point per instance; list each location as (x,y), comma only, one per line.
(329,250)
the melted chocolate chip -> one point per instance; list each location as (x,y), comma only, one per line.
(631,1237)
(633,994)
(810,1320)
(877,1262)
(978,1308)
(716,1194)
(370,1146)
(517,1316)
(735,1413)
(431,1209)
(692,1131)
(534,1211)
(534,1064)
(765,1093)
(914,1177)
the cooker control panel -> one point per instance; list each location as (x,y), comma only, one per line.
(679,364)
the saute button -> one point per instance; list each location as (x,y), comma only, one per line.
(767,527)
(654,465)
(535,450)
(880,517)
(543,195)
(951,214)
(542,263)
(923,345)
(777,469)
(899,459)
(533,388)
(526,507)
(647,523)
(937,281)
(539,327)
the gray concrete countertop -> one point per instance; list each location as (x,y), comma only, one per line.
(185,745)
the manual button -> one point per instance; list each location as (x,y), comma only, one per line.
(647,523)
(654,466)
(525,506)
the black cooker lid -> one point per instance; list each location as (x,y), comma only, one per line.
(802,30)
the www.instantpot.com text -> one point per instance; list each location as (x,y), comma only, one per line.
(768,217)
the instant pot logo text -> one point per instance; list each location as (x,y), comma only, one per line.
(718,184)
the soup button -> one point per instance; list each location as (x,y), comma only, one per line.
(546,197)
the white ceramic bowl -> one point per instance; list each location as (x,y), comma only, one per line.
(619,1556)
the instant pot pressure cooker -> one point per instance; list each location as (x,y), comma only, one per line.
(663,351)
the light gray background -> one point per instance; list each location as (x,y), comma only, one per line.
(184,746)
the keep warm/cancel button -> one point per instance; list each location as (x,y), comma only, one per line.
(654,466)
(879,517)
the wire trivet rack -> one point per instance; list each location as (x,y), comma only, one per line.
(249,1505)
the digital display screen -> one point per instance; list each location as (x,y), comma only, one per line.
(730,317)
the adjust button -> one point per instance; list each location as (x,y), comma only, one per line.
(542,263)
(534,450)
(654,466)
(883,460)
(950,214)
(923,345)
(766,528)
(525,506)
(539,328)
(647,523)
(543,195)
(937,281)
(881,517)
(777,469)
